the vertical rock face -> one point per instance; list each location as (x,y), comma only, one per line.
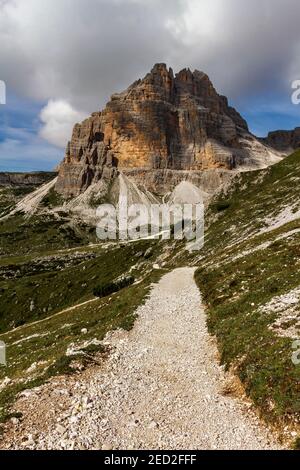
(284,140)
(88,159)
(163,122)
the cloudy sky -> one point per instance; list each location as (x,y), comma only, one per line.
(62,59)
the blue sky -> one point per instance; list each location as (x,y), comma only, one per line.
(269,113)
(21,148)
(61,61)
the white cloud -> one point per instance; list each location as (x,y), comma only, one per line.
(58,118)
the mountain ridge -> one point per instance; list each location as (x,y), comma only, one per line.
(163,122)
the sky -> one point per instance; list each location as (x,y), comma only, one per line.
(62,59)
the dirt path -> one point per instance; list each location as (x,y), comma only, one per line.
(161,387)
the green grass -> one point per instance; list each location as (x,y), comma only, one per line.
(242,269)
(108,288)
(36,321)
(252,197)
(46,343)
(233,294)
(296,445)
(36,296)
(21,237)
(52,199)
(48,273)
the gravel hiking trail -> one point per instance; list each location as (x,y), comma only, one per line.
(161,387)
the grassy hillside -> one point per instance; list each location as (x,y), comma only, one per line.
(20,236)
(46,285)
(42,231)
(48,308)
(50,266)
(249,275)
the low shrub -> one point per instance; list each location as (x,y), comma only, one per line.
(111,287)
(222,205)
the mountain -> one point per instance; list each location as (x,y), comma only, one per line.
(25,180)
(163,129)
(286,141)
(248,275)
(168,136)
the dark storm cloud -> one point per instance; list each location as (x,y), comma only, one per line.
(78,52)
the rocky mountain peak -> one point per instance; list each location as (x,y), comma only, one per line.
(161,122)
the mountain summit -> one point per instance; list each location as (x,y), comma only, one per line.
(162,122)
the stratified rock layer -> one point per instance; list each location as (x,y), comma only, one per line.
(163,122)
(284,140)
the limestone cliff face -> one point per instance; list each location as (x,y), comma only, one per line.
(163,122)
(284,140)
